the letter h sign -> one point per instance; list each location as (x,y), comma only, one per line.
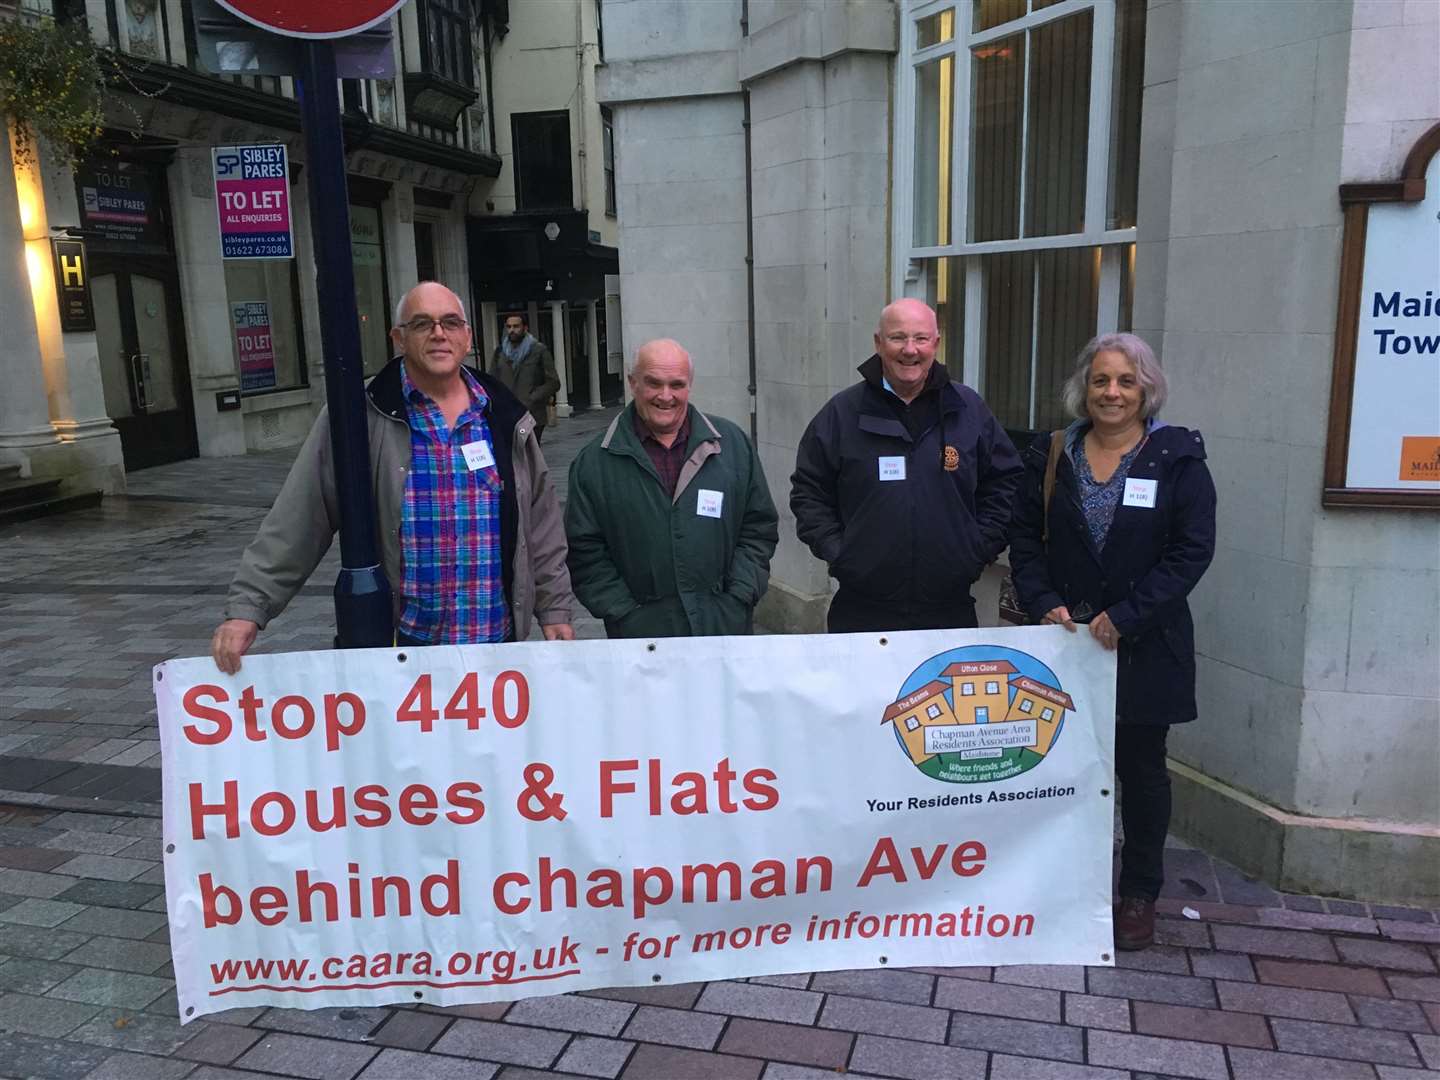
(72,286)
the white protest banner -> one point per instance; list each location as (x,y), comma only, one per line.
(477,823)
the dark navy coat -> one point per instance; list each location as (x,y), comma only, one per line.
(1151,561)
(916,543)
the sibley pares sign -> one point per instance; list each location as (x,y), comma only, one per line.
(477,823)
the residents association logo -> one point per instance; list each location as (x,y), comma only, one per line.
(978,714)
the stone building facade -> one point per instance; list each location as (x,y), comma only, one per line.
(1042,172)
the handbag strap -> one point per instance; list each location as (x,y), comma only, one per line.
(1057,447)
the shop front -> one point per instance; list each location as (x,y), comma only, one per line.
(139,322)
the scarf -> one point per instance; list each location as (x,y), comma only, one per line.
(516,353)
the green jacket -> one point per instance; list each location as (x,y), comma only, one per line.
(651,566)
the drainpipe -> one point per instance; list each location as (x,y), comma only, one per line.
(494,147)
(749,240)
(584,170)
(750,269)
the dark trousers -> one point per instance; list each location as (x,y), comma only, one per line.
(851,614)
(1144,807)
(402,638)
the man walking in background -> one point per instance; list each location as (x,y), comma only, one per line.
(525,367)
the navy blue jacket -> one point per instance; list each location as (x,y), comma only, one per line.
(1151,560)
(917,543)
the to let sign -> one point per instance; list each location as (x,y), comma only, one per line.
(307,19)
(252,198)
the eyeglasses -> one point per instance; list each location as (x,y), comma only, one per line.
(423,324)
(920,340)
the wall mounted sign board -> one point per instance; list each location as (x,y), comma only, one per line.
(252,199)
(1383,446)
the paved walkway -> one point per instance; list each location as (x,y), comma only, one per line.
(1246,983)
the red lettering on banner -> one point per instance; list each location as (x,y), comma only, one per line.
(764,796)
(218,717)
(374,810)
(503,716)
(610,787)
(282,726)
(967,860)
(653,886)
(334,729)
(417,707)
(260,805)
(292,717)
(318,900)
(501,893)
(417,805)
(724,777)
(229,810)
(464,704)
(268,903)
(250,706)
(468,809)
(690,791)
(273,812)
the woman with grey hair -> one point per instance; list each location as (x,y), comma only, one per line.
(1114,526)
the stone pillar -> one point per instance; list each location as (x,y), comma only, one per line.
(562,361)
(488,338)
(24,413)
(76,353)
(35,226)
(592,352)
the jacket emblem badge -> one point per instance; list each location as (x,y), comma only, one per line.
(952,459)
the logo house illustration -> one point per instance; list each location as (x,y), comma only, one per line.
(979,718)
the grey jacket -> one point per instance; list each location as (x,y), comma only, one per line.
(534,380)
(298,530)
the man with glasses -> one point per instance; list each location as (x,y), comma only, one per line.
(903,485)
(526,368)
(470,531)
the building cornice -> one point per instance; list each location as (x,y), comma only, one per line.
(211,95)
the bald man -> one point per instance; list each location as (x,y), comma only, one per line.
(903,485)
(470,532)
(669,518)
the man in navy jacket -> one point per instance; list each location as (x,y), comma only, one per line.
(903,485)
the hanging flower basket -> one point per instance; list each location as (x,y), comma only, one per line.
(51,86)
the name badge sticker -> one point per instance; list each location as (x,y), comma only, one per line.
(708,503)
(1140,493)
(478,455)
(892,468)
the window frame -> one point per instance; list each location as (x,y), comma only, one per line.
(915,265)
(457,13)
(516,120)
(607,160)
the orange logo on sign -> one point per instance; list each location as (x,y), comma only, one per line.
(1420,457)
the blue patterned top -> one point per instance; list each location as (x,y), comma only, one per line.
(1099,500)
(450,526)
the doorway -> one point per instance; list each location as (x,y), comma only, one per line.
(143,368)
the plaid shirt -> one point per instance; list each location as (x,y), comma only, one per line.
(668,460)
(450,528)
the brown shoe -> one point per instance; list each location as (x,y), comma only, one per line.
(1135,924)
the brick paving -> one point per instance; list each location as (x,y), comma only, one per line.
(1259,985)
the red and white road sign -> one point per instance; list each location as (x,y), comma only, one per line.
(309,19)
